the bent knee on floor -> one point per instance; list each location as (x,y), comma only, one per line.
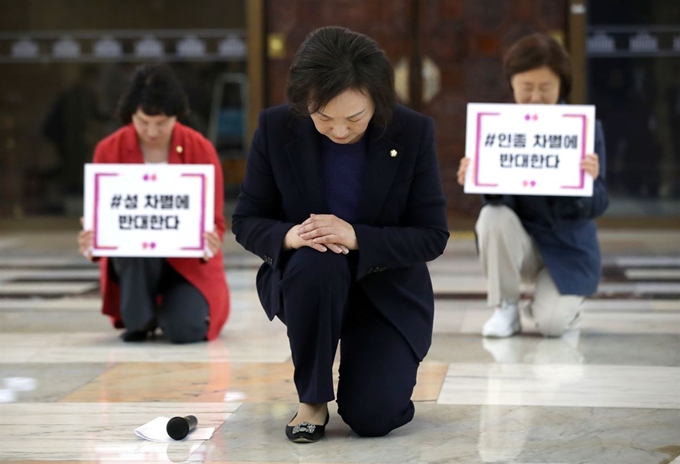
(376,419)
(552,326)
(551,331)
(553,318)
(365,426)
(181,335)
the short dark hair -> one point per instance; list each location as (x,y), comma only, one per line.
(154,89)
(535,51)
(334,59)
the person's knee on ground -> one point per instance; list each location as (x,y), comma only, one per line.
(557,324)
(551,327)
(192,332)
(376,418)
(554,314)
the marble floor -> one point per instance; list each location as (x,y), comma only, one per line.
(72,392)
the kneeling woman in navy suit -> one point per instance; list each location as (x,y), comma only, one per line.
(342,200)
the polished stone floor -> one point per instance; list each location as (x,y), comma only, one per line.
(72,392)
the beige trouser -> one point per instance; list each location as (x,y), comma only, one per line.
(509,255)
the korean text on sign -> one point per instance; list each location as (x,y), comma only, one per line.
(528,149)
(138,210)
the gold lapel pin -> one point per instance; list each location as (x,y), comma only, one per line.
(179,149)
(393,153)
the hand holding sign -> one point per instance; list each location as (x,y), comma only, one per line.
(213,244)
(591,165)
(85,240)
(462,170)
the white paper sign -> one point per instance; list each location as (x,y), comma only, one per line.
(529,149)
(149,210)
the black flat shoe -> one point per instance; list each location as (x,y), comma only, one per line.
(134,336)
(306,432)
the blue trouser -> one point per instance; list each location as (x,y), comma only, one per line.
(322,304)
(183,313)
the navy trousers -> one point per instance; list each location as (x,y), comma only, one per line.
(183,314)
(323,304)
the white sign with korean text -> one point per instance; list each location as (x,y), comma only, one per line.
(529,149)
(146,210)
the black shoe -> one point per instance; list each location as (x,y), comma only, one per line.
(306,432)
(134,336)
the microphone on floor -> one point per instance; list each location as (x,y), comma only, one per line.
(180,427)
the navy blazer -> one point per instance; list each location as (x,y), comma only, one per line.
(401,219)
(564,230)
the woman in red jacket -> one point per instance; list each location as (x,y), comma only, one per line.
(187,298)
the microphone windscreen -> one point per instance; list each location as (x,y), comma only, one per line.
(179,427)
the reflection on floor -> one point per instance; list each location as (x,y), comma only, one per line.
(71,391)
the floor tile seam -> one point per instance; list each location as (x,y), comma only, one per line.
(29,311)
(604,311)
(586,311)
(514,404)
(588,363)
(28,408)
(632,367)
(119,404)
(32,363)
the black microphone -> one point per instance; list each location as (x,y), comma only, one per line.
(180,427)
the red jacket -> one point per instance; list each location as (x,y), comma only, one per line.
(186,147)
